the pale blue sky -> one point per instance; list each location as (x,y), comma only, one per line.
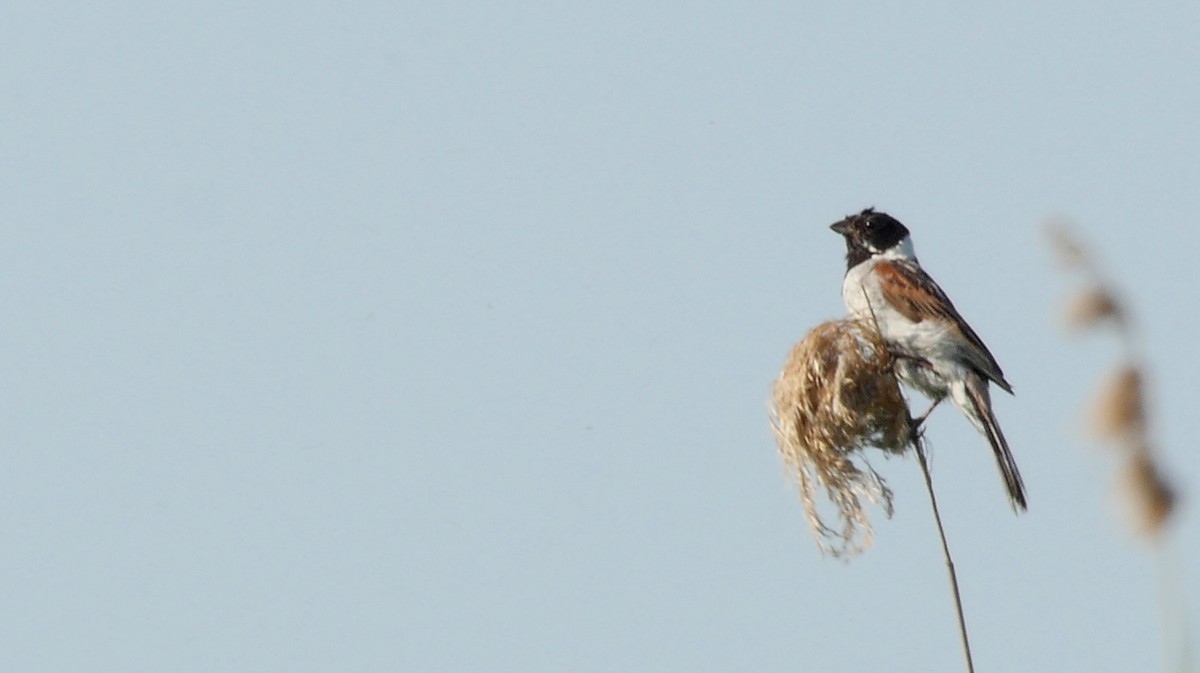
(438,336)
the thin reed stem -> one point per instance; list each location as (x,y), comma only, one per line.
(919,444)
(937,517)
(1177,640)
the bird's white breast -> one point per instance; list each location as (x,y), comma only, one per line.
(864,298)
(933,341)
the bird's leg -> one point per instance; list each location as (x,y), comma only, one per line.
(919,363)
(921,419)
(916,423)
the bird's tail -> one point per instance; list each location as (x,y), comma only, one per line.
(977,394)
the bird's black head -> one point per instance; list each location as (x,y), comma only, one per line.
(869,233)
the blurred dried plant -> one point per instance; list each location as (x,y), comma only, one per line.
(835,398)
(1152,497)
(1118,413)
(1090,307)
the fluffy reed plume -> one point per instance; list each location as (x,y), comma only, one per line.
(1118,414)
(1091,307)
(1070,254)
(836,397)
(1152,497)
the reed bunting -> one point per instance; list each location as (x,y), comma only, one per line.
(936,352)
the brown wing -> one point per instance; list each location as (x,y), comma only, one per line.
(912,292)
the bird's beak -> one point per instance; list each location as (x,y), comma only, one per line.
(841,226)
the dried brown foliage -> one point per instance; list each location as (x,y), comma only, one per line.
(1119,411)
(836,397)
(1070,252)
(1090,307)
(1151,497)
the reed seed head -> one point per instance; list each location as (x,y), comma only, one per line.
(1092,306)
(836,397)
(1070,252)
(1119,411)
(1152,499)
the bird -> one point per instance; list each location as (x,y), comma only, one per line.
(934,349)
